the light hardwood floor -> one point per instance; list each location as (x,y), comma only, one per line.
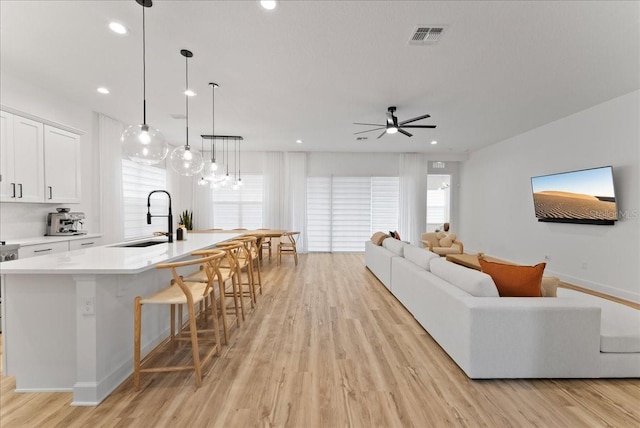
(328,346)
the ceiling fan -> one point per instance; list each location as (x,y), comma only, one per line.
(392,126)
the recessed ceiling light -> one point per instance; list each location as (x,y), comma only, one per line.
(190,93)
(103,90)
(434,142)
(118,28)
(299,141)
(269,4)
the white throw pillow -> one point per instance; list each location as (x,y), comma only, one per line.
(474,282)
(394,245)
(419,256)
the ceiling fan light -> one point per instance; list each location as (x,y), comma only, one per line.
(269,4)
(392,130)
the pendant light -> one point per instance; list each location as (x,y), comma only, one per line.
(239,182)
(210,166)
(184,161)
(142,143)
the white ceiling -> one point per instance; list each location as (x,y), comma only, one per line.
(310,68)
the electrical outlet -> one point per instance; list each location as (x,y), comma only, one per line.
(88,306)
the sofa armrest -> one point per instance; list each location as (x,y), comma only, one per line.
(427,244)
(532,337)
(459,244)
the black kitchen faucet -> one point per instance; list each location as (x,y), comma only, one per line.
(169,216)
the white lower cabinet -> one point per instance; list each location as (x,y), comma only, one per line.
(77,244)
(42,249)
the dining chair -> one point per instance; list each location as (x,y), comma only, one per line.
(180,292)
(288,245)
(265,243)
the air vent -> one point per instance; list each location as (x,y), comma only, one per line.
(438,165)
(426,35)
(179,116)
(361,138)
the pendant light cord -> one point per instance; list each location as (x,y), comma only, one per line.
(213,106)
(186,62)
(144,71)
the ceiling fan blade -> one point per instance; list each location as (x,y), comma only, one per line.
(369,124)
(418,126)
(369,130)
(414,119)
(383,132)
(400,130)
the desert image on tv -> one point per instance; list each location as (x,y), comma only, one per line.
(577,195)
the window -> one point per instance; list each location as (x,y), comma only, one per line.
(438,200)
(137,181)
(343,212)
(241,207)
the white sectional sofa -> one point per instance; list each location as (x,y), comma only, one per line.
(574,335)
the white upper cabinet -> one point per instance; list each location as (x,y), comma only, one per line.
(39,162)
(61,165)
(22,164)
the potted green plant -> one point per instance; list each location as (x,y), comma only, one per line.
(186,218)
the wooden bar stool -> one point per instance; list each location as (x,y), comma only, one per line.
(253,252)
(225,277)
(288,245)
(230,270)
(265,243)
(180,292)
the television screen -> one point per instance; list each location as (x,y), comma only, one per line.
(585,196)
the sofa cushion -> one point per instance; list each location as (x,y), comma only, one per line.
(445,242)
(394,246)
(419,256)
(515,280)
(452,236)
(476,283)
(378,237)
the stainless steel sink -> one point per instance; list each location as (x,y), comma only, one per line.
(140,244)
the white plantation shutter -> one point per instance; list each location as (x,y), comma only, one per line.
(319,213)
(241,207)
(137,181)
(343,212)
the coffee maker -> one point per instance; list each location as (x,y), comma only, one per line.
(65,223)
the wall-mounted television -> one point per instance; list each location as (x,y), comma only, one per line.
(586,196)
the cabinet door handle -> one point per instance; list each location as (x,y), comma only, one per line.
(42,251)
(13,190)
(50,192)
(20,185)
(87,243)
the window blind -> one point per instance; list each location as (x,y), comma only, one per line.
(343,212)
(137,181)
(241,207)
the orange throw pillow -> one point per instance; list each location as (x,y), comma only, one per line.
(513,280)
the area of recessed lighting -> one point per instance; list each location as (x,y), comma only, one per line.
(269,4)
(434,142)
(190,93)
(103,90)
(299,141)
(118,28)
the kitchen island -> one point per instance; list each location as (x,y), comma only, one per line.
(68,317)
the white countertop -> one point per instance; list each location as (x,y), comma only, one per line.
(111,259)
(23,242)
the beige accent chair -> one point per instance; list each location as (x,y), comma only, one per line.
(442,243)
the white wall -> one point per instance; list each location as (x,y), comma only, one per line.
(19,220)
(496,203)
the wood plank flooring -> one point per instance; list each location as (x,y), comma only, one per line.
(328,346)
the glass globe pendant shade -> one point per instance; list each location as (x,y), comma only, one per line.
(186,162)
(144,144)
(209,170)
